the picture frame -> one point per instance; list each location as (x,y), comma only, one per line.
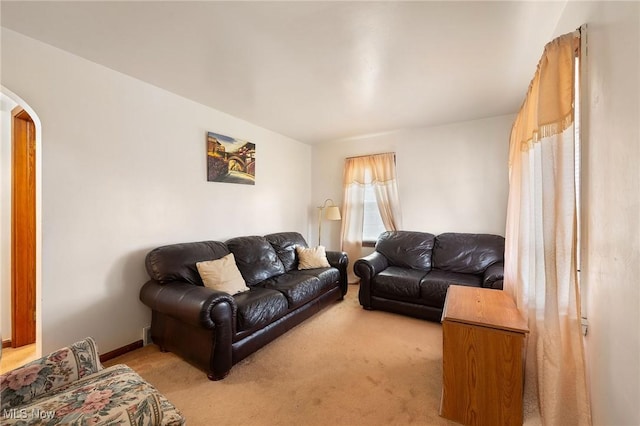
(230,160)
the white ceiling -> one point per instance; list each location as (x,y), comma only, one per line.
(313,71)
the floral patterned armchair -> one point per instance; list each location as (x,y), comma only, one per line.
(70,386)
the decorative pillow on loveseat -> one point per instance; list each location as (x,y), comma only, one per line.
(43,375)
(312,258)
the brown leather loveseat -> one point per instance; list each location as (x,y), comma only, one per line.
(409,272)
(213,329)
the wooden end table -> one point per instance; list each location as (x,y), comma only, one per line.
(483,337)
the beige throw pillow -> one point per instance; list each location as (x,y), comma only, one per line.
(222,275)
(311,258)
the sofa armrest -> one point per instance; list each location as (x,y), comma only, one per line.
(340,261)
(371,265)
(337,259)
(51,372)
(494,276)
(196,305)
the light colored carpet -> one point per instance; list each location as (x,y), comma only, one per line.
(344,366)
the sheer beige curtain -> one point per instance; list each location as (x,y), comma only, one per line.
(378,170)
(541,246)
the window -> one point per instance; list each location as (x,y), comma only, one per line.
(372,225)
(373,199)
(370,199)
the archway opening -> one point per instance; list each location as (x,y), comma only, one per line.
(20,230)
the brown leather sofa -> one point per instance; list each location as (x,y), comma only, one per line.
(214,330)
(409,272)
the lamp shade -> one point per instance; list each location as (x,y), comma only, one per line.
(332,213)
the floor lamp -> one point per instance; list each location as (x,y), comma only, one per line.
(332,213)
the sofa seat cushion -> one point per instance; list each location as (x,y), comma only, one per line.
(400,283)
(434,286)
(114,395)
(297,288)
(259,307)
(327,276)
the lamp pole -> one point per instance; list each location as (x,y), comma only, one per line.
(320,222)
(333,213)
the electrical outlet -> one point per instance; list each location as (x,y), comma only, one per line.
(146,335)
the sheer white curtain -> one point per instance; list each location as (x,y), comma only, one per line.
(378,170)
(541,247)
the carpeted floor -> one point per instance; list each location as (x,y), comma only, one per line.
(344,366)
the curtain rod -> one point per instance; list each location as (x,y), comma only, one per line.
(369,155)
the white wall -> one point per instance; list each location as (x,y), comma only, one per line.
(123,171)
(452,178)
(6,106)
(611,224)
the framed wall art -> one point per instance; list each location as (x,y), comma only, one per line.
(230,160)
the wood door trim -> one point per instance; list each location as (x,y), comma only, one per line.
(23,226)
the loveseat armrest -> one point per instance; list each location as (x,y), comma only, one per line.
(195,305)
(494,276)
(366,268)
(340,261)
(371,265)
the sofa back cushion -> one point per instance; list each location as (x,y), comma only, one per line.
(284,243)
(177,262)
(407,249)
(467,253)
(256,258)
